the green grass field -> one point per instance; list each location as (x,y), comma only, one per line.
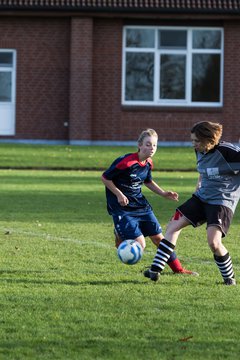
(65,295)
(87,157)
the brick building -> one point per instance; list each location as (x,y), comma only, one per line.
(99,71)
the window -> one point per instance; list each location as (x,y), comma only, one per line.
(7,91)
(6,70)
(178,66)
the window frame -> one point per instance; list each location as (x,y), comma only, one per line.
(189,51)
(8,108)
(12,70)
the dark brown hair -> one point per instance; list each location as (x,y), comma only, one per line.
(208,133)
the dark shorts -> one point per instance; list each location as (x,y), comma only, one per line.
(197,213)
(132,226)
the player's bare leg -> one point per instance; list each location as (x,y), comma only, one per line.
(118,240)
(214,235)
(139,239)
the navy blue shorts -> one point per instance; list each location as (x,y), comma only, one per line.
(131,226)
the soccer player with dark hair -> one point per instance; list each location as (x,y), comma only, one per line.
(132,214)
(214,201)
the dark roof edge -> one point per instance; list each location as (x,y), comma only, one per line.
(119,9)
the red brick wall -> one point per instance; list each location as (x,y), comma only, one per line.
(42,46)
(81,68)
(231,109)
(71,71)
(107,112)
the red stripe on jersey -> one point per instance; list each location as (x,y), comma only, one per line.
(130,160)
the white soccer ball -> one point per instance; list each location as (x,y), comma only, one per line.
(130,252)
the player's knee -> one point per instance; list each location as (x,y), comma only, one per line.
(214,245)
(156,239)
(141,241)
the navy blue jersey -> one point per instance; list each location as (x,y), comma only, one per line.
(128,175)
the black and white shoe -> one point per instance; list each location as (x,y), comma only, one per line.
(230,281)
(153,275)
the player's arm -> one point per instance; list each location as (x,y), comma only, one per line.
(122,199)
(199,182)
(154,187)
(231,154)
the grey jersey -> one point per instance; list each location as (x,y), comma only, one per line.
(220,175)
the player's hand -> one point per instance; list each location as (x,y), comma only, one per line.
(171,195)
(123,200)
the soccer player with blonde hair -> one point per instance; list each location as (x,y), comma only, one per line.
(131,212)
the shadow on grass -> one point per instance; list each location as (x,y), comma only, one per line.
(42,281)
(65,282)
